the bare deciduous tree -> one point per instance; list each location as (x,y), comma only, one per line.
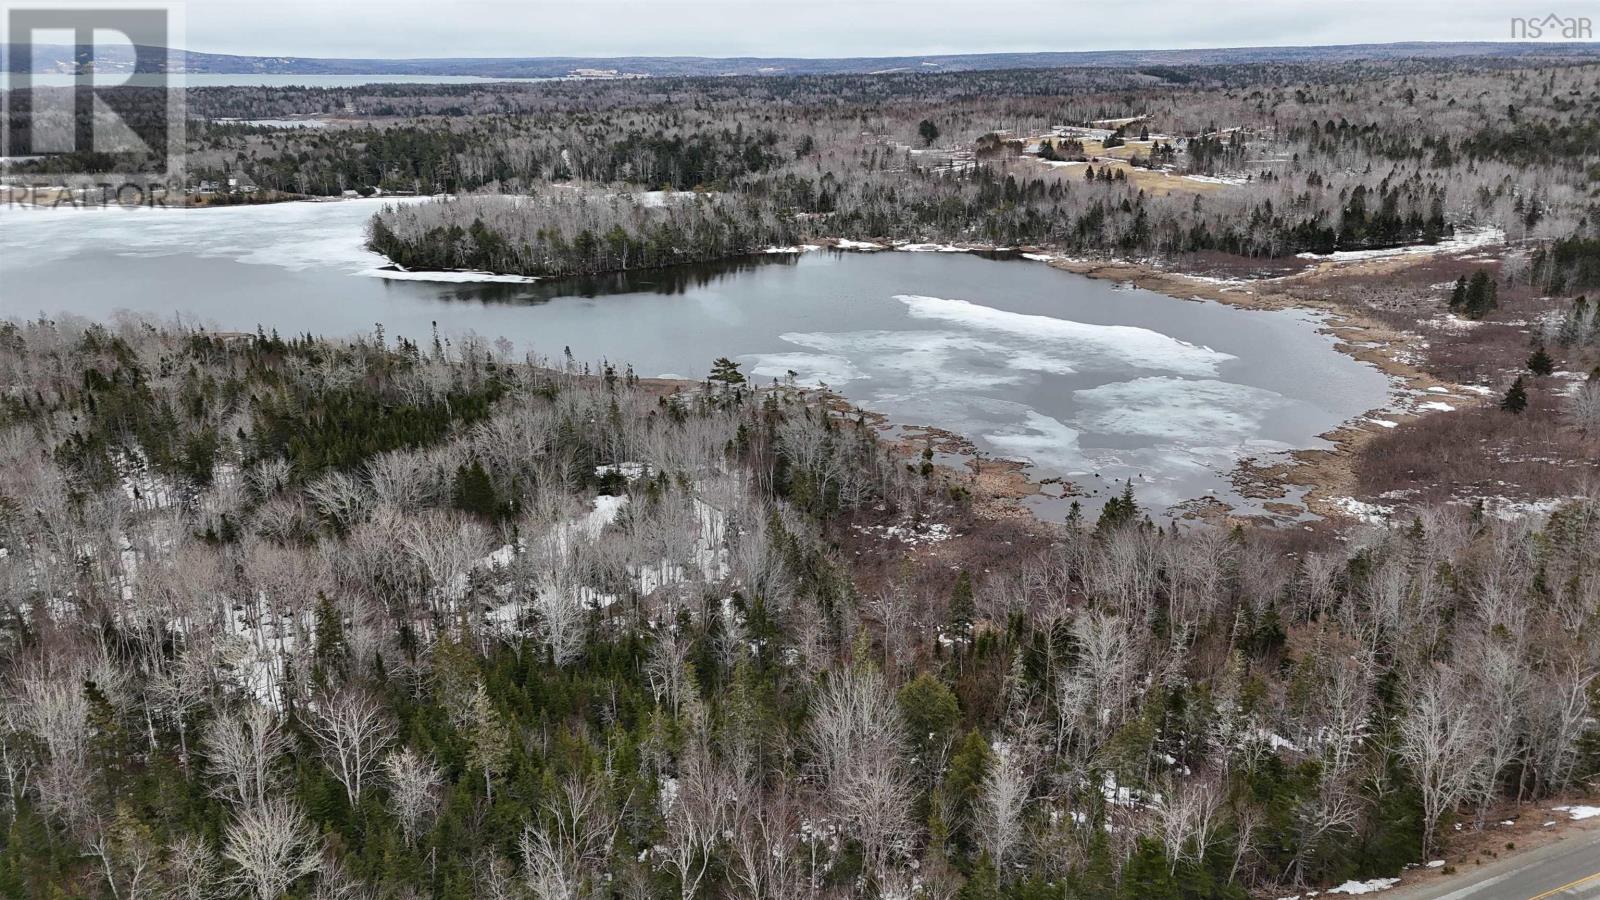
(1442,740)
(1189,815)
(1002,800)
(564,854)
(856,737)
(271,845)
(414,784)
(353,732)
(696,807)
(192,871)
(242,751)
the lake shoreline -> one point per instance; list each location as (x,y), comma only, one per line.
(993,450)
(1326,473)
(1003,486)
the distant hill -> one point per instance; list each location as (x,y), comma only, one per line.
(52,58)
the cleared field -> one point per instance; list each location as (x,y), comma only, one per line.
(1155,183)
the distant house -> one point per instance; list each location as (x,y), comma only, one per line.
(207,187)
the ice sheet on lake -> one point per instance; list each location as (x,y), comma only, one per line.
(450,277)
(1070,343)
(927,360)
(810,369)
(1038,439)
(1176,408)
(296,236)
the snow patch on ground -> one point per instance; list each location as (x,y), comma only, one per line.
(1370,886)
(1463,240)
(628,470)
(1579,813)
(1218,179)
(1451,322)
(1368,513)
(910,532)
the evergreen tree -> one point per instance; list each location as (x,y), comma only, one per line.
(1540,362)
(1482,295)
(726,372)
(474,492)
(1516,399)
(962,608)
(488,739)
(969,763)
(984,883)
(1119,511)
(928,131)
(931,713)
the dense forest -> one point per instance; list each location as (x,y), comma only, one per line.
(1258,161)
(287,616)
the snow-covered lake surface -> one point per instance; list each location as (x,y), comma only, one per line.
(1087,380)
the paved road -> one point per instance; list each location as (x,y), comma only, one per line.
(1566,868)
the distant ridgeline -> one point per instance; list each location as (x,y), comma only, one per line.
(61,58)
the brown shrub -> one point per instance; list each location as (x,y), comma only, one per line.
(1482,452)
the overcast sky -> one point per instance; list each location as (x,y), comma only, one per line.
(399,28)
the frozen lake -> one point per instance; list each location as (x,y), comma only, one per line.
(1081,377)
(255,79)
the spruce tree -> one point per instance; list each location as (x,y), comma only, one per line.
(1118,511)
(931,714)
(474,492)
(962,608)
(1481,297)
(1540,362)
(1516,399)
